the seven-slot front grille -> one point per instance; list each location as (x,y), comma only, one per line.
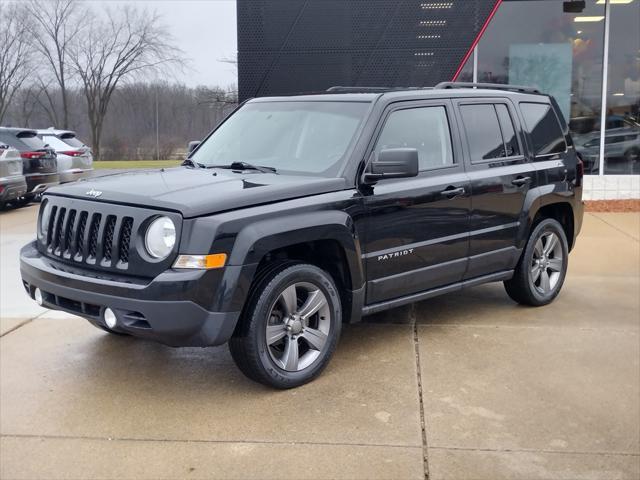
(89,237)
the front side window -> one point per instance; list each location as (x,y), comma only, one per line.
(424,128)
(544,128)
(292,136)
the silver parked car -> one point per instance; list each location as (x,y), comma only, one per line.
(13,184)
(75,160)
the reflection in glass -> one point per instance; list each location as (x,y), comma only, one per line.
(622,138)
(533,42)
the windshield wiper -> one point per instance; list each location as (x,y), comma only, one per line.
(245,166)
(189,162)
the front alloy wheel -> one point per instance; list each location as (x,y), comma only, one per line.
(290,326)
(298,327)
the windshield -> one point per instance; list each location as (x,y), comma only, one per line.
(296,137)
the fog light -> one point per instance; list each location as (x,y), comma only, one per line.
(37,295)
(110,318)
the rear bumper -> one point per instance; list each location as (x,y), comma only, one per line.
(12,188)
(39,182)
(139,307)
(75,174)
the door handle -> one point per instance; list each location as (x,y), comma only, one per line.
(451,192)
(520,181)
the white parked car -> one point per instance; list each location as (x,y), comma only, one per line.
(13,184)
(75,160)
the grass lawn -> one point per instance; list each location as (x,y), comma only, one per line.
(121,164)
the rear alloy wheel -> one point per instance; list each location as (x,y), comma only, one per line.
(542,268)
(289,328)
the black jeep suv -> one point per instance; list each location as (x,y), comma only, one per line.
(297,214)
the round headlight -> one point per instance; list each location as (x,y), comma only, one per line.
(44,220)
(160,237)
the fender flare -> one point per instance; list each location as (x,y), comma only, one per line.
(259,238)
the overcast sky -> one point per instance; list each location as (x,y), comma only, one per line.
(204,29)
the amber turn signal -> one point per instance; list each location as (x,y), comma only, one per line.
(213,260)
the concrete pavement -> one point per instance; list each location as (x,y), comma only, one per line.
(462,386)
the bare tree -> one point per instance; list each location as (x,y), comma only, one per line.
(57,22)
(15,52)
(128,44)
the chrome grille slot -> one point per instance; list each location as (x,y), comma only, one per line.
(82,224)
(93,237)
(125,240)
(68,233)
(52,221)
(57,234)
(107,239)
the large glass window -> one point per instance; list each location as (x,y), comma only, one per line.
(622,138)
(535,42)
(425,129)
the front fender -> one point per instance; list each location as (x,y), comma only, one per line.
(259,238)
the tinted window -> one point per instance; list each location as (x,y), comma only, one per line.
(508,132)
(544,128)
(71,140)
(483,132)
(425,129)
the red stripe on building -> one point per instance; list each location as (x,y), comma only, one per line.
(477,40)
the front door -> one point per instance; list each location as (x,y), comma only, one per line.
(500,176)
(417,228)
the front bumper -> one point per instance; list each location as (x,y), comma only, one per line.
(139,306)
(12,188)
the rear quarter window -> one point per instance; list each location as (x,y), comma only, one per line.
(544,128)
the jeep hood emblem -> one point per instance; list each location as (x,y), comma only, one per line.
(94,193)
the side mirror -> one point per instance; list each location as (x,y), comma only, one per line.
(393,163)
(191,146)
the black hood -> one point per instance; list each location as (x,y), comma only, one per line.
(196,191)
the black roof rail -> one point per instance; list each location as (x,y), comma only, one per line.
(338,89)
(373,89)
(492,86)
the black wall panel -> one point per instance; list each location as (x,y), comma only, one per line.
(292,46)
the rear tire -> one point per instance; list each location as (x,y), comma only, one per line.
(542,268)
(290,326)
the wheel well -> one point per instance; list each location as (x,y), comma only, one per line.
(563,213)
(325,254)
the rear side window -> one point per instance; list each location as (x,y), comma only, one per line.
(483,132)
(424,128)
(544,128)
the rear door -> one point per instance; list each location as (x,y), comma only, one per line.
(417,228)
(500,175)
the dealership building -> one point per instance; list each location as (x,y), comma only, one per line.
(584,52)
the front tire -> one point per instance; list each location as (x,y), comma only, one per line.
(542,268)
(289,328)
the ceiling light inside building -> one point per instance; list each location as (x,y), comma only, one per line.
(614,2)
(589,19)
